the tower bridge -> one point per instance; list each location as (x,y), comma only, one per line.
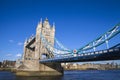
(43,53)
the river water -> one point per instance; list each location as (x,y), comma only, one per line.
(69,75)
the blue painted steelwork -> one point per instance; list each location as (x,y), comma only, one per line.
(108,54)
(102,39)
(57,52)
(62,51)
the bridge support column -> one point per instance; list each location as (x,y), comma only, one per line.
(47,69)
(34,68)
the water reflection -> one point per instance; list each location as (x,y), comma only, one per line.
(39,78)
(69,75)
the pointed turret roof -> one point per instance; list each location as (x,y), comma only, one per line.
(46,19)
(53,24)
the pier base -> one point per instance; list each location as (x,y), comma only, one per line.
(39,69)
(38,73)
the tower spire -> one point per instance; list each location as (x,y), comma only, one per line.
(53,24)
(46,19)
(40,20)
(25,41)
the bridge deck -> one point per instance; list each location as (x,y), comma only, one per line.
(109,54)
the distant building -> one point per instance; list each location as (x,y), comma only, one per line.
(86,66)
(0,64)
(8,64)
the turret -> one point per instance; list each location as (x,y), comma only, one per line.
(37,40)
(46,23)
(25,41)
(23,56)
(53,27)
(39,24)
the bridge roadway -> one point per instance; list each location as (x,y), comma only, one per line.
(108,54)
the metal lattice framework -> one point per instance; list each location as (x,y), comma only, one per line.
(102,39)
(58,50)
(61,51)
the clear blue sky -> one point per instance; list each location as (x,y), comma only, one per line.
(77,22)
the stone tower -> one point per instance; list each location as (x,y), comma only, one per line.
(48,32)
(34,50)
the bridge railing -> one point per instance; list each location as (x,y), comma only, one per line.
(82,56)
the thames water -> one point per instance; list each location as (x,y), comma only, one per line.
(69,75)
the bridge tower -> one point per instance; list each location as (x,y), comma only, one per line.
(34,51)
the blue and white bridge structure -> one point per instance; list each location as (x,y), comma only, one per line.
(63,54)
